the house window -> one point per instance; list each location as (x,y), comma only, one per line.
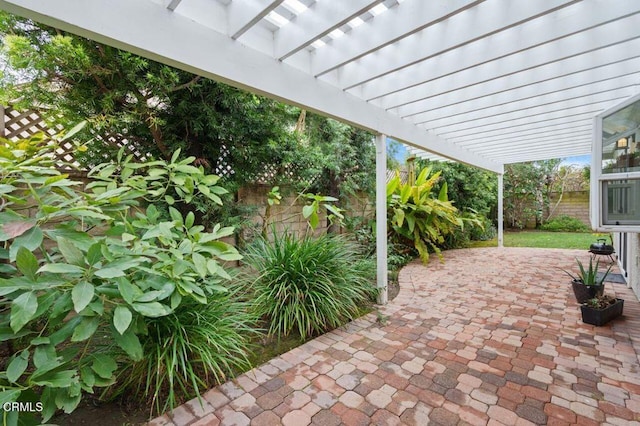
(615,176)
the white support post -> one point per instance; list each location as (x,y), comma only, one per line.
(381,217)
(500,210)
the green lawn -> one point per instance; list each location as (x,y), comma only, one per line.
(543,239)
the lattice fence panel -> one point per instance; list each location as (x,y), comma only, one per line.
(404,175)
(24,124)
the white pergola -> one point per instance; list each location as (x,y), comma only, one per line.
(483,82)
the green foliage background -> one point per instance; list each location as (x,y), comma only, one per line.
(240,136)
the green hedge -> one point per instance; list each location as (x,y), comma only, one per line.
(565,223)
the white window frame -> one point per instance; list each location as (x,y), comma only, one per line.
(598,200)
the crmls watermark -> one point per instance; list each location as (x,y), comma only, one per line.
(23,407)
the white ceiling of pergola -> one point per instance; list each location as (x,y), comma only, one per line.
(485,82)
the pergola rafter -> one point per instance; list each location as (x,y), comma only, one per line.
(457,43)
(307,28)
(414,16)
(566,88)
(243,17)
(591,66)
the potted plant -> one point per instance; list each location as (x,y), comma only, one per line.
(587,284)
(600,310)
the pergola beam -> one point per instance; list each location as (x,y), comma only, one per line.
(120,22)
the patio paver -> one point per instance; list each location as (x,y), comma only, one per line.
(491,336)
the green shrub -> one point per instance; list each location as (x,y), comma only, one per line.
(308,284)
(398,255)
(477,228)
(565,223)
(193,348)
(95,265)
(362,230)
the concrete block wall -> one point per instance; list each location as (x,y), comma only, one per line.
(284,216)
(288,214)
(574,204)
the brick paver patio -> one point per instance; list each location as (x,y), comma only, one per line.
(492,336)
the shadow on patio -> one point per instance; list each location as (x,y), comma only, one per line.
(491,336)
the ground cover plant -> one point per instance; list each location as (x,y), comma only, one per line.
(81,268)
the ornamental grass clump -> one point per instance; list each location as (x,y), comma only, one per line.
(308,284)
(194,348)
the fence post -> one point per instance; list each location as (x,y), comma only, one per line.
(2,133)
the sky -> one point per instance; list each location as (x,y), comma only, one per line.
(581,161)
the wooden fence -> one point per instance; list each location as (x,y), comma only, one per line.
(24,124)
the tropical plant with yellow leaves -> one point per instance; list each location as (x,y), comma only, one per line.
(416,217)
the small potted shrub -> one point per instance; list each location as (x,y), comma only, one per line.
(600,310)
(587,284)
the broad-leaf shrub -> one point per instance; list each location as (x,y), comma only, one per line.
(81,267)
(416,217)
(308,284)
(312,209)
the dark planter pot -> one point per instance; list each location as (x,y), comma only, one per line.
(600,317)
(586,292)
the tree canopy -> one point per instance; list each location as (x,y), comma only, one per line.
(527,188)
(158,108)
